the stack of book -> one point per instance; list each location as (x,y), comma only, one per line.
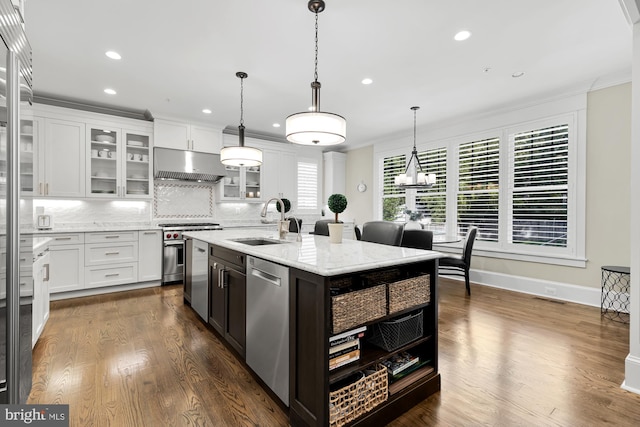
(401,364)
(344,348)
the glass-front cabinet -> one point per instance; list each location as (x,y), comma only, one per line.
(118,163)
(241,183)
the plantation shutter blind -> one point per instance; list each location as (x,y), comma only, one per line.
(432,202)
(478,187)
(539,186)
(393,198)
(307,185)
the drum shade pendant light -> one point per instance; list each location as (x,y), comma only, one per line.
(415,177)
(316,127)
(241,155)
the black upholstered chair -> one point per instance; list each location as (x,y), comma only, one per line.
(385,232)
(321,227)
(293,228)
(460,265)
(357,231)
(417,239)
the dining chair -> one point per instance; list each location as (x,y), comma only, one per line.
(417,239)
(384,232)
(357,231)
(459,265)
(321,227)
(293,228)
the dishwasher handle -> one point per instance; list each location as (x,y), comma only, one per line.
(274,280)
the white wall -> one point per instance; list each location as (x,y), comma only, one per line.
(607,206)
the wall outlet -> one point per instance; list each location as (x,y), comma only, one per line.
(549,290)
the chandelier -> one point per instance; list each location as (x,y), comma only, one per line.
(316,127)
(415,177)
(241,155)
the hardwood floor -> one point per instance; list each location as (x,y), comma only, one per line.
(142,358)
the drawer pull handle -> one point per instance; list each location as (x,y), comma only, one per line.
(63,238)
(112,253)
(112,275)
(149,232)
(111,237)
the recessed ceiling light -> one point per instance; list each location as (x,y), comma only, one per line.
(276,125)
(110,91)
(462,35)
(206,111)
(113,55)
(367,81)
(517,74)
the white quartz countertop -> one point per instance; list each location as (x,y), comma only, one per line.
(89,228)
(316,254)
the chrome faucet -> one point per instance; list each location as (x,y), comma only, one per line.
(283,228)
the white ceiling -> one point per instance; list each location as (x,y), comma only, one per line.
(179,57)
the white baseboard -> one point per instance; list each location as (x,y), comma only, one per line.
(632,374)
(543,288)
(105,290)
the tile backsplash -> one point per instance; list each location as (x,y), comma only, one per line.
(72,212)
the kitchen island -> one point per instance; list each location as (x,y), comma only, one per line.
(335,289)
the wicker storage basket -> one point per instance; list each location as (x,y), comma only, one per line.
(395,333)
(408,293)
(358,307)
(353,400)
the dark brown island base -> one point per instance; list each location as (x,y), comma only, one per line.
(362,323)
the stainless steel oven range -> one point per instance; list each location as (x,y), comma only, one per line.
(173,249)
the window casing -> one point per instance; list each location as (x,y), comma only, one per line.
(522,185)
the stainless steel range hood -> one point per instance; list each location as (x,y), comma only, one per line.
(187,165)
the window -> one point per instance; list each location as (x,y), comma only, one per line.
(478,187)
(307,185)
(393,198)
(432,202)
(522,184)
(539,178)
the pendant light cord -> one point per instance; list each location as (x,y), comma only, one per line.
(315,74)
(242,102)
(414,128)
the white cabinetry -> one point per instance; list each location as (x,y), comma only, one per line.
(118,162)
(62,159)
(279,170)
(40,306)
(335,173)
(67,262)
(111,259)
(184,136)
(241,183)
(149,255)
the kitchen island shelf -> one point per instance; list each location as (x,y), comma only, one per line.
(371,356)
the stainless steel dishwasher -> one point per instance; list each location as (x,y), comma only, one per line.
(267,348)
(199,277)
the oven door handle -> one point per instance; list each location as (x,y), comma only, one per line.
(174,243)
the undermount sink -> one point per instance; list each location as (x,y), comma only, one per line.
(257,241)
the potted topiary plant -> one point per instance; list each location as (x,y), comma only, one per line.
(337,204)
(286,203)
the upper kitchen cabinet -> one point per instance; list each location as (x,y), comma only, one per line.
(118,162)
(184,136)
(241,183)
(61,156)
(279,169)
(80,154)
(28,138)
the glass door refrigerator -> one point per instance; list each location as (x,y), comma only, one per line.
(16,254)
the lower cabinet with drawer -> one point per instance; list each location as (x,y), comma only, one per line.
(66,262)
(110,259)
(110,275)
(91,260)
